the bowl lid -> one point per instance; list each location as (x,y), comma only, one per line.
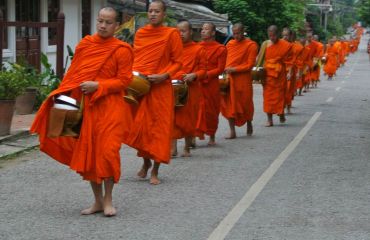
(67,99)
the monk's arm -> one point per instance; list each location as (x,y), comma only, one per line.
(251,60)
(124,60)
(221,57)
(175,54)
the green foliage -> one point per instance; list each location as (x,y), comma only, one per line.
(259,15)
(13,81)
(47,80)
(363,9)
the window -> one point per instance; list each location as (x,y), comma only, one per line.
(53,10)
(3,9)
(86,17)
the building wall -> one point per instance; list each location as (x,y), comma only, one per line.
(73,27)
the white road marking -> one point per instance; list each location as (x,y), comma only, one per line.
(234,215)
(330,99)
(338,89)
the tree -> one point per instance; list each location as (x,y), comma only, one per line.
(258,15)
(363,9)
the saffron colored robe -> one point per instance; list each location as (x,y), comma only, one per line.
(106,117)
(332,55)
(291,66)
(157,50)
(216,59)
(238,103)
(310,75)
(187,118)
(338,47)
(302,63)
(318,55)
(275,87)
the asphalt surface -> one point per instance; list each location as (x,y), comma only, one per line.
(321,191)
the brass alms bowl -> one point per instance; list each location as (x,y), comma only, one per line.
(224,82)
(137,88)
(180,90)
(259,74)
(323,60)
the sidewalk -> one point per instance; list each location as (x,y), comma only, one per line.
(19,139)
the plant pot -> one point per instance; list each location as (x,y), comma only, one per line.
(6,116)
(25,103)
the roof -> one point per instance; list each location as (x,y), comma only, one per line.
(197,14)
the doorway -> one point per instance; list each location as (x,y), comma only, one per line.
(28,42)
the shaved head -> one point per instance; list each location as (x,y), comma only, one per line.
(273,29)
(212,25)
(239,26)
(110,9)
(164,6)
(186,22)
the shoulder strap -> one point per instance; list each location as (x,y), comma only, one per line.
(261,55)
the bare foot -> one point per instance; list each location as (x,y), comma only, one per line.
(144,170)
(232,136)
(97,207)
(154,180)
(269,124)
(249,129)
(186,153)
(211,143)
(193,143)
(109,210)
(282,119)
(174,153)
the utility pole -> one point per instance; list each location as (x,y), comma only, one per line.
(147,4)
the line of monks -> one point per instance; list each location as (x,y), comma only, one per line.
(101,71)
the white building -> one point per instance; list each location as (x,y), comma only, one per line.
(80,19)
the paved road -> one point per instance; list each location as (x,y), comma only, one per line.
(307,179)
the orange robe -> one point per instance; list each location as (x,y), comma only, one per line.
(302,62)
(310,76)
(238,104)
(157,50)
(331,60)
(338,47)
(342,53)
(216,60)
(187,117)
(318,55)
(291,65)
(106,118)
(275,87)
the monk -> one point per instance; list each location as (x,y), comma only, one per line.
(338,47)
(277,51)
(313,61)
(100,70)
(332,58)
(302,62)
(187,117)
(318,55)
(291,67)
(237,105)
(368,48)
(158,55)
(216,60)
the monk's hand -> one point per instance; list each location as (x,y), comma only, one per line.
(230,70)
(189,77)
(158,78)
(89,87)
